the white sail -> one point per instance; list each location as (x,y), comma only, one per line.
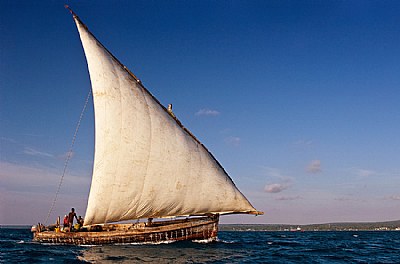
(146,164)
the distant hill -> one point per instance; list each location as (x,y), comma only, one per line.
(347,226)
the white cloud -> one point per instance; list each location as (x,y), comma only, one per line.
(232,141)
(281,184)
(394,197)
(34,152)
(343,199)
(8,139)
(303,143)
(207,112)
(288,198)
(314,166)
(275,187)
(363,172)
(348,199)
(274,172)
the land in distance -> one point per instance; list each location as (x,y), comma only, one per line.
(347,226)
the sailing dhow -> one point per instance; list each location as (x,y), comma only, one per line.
(146,165)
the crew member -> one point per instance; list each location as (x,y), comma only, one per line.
(71,216)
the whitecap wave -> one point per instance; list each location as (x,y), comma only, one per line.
(204,241)
(226,241)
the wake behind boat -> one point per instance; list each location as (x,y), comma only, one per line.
(146,166)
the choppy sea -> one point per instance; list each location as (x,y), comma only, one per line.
(16,246)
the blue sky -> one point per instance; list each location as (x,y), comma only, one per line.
(298,100)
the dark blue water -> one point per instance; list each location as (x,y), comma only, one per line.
(232,247)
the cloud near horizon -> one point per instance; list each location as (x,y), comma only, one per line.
(276,187)
(207,112)
(280,185)
(19,177)
(363,172)
(24,185)
(34,152)
(394,197)
(288,198)
(314,166)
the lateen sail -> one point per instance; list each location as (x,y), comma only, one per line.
(146,164)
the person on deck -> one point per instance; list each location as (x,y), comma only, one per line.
(80,220)
(65,221)
(71,216)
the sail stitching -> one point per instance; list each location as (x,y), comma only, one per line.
(120,139)
(149,152)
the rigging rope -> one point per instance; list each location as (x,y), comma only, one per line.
(69,154)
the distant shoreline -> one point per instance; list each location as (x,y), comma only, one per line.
(344,226)
(15,226)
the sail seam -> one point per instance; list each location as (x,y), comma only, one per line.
(140,208)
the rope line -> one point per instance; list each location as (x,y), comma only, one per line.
(69,155)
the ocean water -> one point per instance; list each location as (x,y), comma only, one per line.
(16,246)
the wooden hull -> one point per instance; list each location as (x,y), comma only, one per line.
(158,232)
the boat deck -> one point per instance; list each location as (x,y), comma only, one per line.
(156,232)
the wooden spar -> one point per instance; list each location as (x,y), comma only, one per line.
(70,10)
(250,212)
(256,213)
(205,228)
